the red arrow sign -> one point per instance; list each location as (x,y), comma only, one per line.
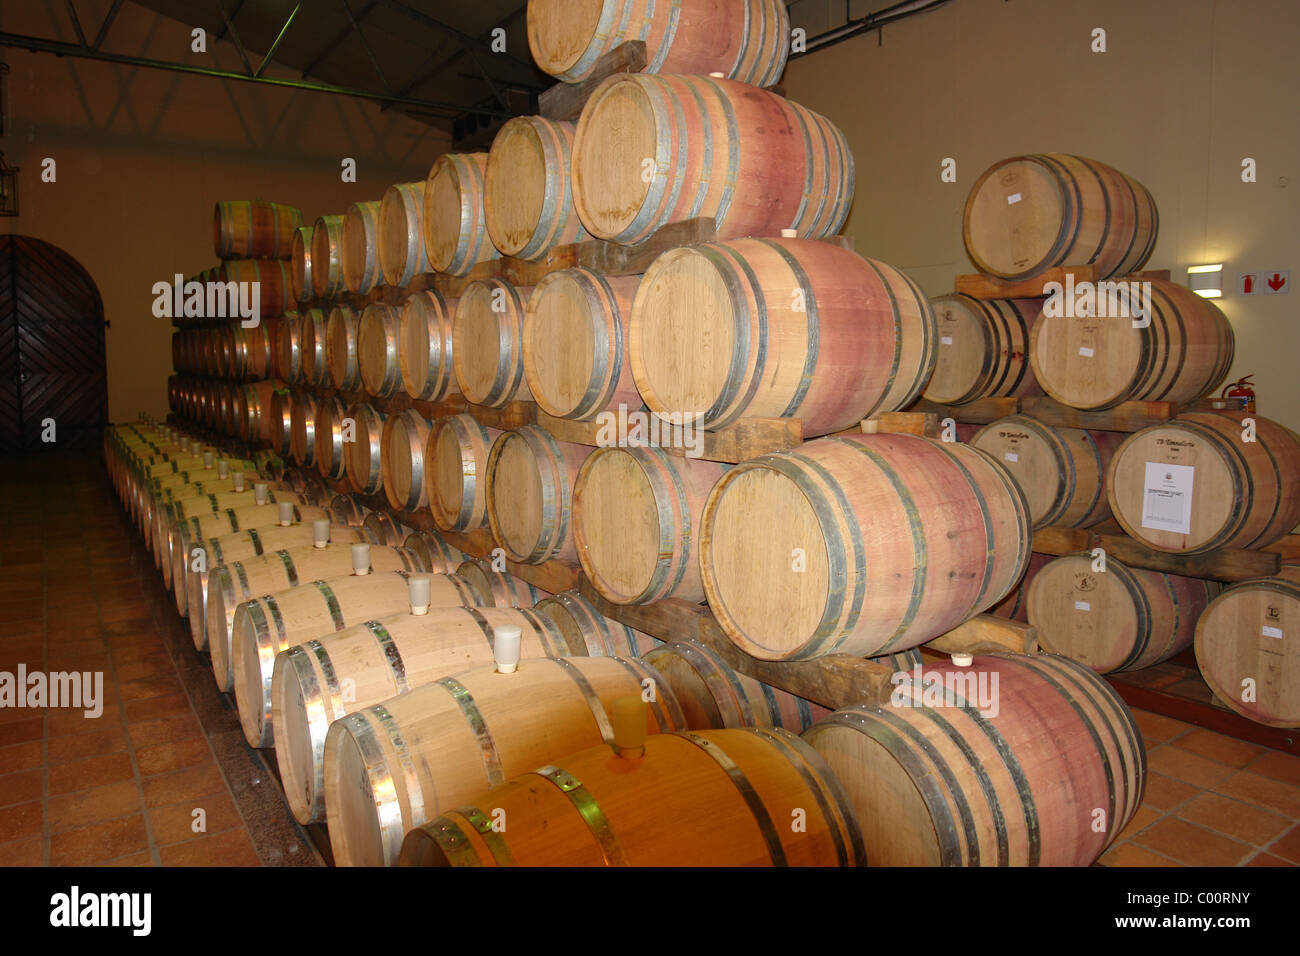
(1276,282)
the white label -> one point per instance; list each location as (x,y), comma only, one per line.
(945,340)
(1085,351)
(1013,199)
(1082,606)
(1271,631)
(1167,497)
(1011,456)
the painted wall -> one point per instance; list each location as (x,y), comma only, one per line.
(1185,90)
(142,155)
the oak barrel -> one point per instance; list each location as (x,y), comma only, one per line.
(401,233)
(497,588)
(455,233)
(527,196)
(288,348)
(530,479)
(332,428)
(588,631)
(281,424)
(402,446)
(455,472)
(312,342)
(363,457)
(254,229)
(274,287)
(359,253)
(487,342)
(425,346)
(983,349)
(300,264)
(302,428)
(327,257)
(341,348)
(377,346)
(434,553)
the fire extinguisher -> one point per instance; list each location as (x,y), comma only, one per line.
(1243,391)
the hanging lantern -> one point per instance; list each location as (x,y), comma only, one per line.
(8,188)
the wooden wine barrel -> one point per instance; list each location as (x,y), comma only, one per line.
(216,497)
(327,257)
(300,264)
(1179,355)
(312,342)
(402,445)
(381,659)
(745,39)
(636,520)
(265,626)
(282,421)
(1195,484)
(1062,470)
(712,695)
(254,229)
(487,342)
(530,479)
(254,412)
(983,349)
(425,346)
(1123,619)
(498,588)
(250,349)
(363,457)
(1015,606)
(347,509)
(527,196)
(455,234)
(232,584)
(1045,776)
(302,436)
(720,134)
(400,233)
(359,255)
(574,343)
(274,288)
(382,527)
(779,328)
(341,329)
(859,544)
(288,348)
(377,347)
(719,788)
(1026,214)
(456,465)
(331,423)
(461,735)
(590,632)
(1246,648)
(435,554)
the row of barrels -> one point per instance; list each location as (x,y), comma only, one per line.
(219,293)
(417,778)
(232,350)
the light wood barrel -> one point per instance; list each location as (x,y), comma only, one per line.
(1026,214)
(380,658)
(859,544)
(250,349)
(300,264)
(254,229)
(455,233)
(312,342)
(1121,620)
(713,695)
(265,626)
(425,346)
(254,412)
(498,588)
(232,584)
(348,509)
(377,347)
(1062,471)
(1179,355)
(718,133)
(588,631)
(302,433)
(461,735)
(401,233)
(382,527)
(527,196)
(327,257)
(1195,484)
(706,798)
(288,348)
(487,343)
(983,349)
(455,472)
(1015,606)
(363,457)
(574,343)
(331,417)
(530,479)
(341,347)
(435,554)
(745,39)
(636,521)
(275,289)
(402,445)
(1246,648)
(359,254)
(282,400)
(779,328)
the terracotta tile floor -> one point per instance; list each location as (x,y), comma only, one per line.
(163,776)
(77,591)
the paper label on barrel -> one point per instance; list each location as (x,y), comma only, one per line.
(1271,631)
(1085,351)
(1013,199)
(1011,456)
(1167,497)
(945,340)
(1082,606)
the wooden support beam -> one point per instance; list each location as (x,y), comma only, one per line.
(564,101)
(980,286)
(1126,417)
(1225,564)
(979,412)
(988,634)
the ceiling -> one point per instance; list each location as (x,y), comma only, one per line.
(439,52)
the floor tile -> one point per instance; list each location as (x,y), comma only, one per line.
(1233,818)
(90,845)
(1191,844)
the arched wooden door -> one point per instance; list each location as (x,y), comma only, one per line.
(52,363)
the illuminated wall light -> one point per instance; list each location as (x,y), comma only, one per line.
(1206,281)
